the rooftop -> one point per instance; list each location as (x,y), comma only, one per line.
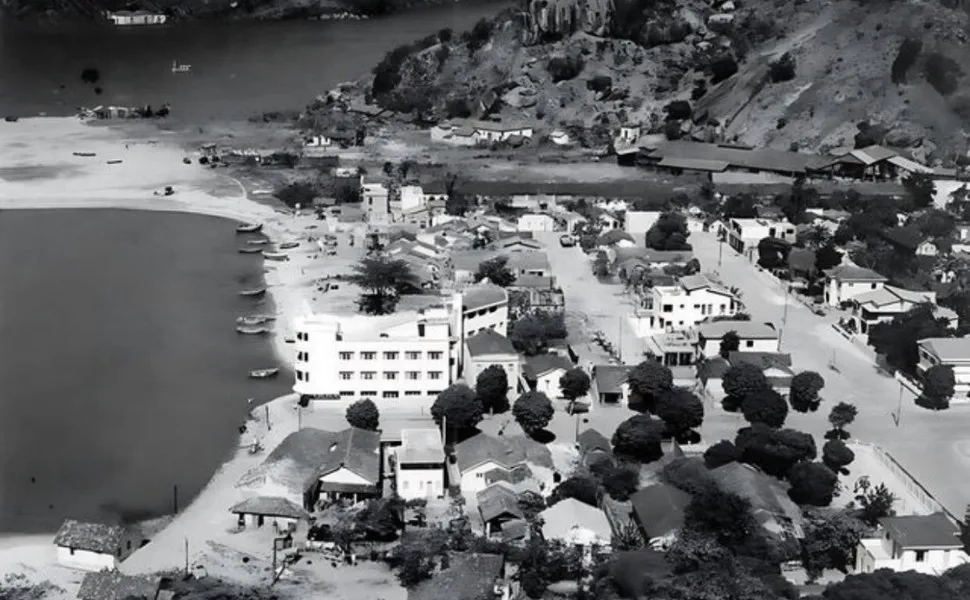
(534,281)
(95,537)
(891,295)
(712,155)
(953,349)
(853,273)
(528,261)
(575,522)
(488,342)
(498,501)
(768,497)
(762,360)
(745,330)
(270,506)
(609,379)
(112,585)
(613,236)
(483,295)
(542,364)
(922,531)
(423,446)
(659,508)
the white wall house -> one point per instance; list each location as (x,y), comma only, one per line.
(577,524)
(639,222)
(381,358)
(278,512)
(375,200)
(490,131)
(951,352)
(545,371)
(412,196)
(487,348)
(845,282)
(881,305)
(94,546)
(480,454)
(928,544)
(755,337)
(483,307)
(683,306)
(743,235)
(536,222)
(419,464)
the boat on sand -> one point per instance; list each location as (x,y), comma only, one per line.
(264,373)
(250,250)
(248,227)
(258,242)
(254,319)
(281,256)
(253,293)
(288,245)
(249,330)
(85,154)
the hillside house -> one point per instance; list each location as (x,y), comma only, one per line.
(94,546)
(755,337)
(743,235)
(845,282)
(683,306)
(928,544)
(881,305)
(950,352)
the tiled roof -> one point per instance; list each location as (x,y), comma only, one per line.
(768,497)
(480,296)
(534,281)
(528,261)
(922,531)
(356,450)
(498,501)
(590,440)
(609,379)
(745,330)
(953,349)
(468,577)
(537,366)
(694,282)
(422,446)
(853,273)
(95,537)
(659,509)
(112,585)
(891,295)
(872,154)
(573,521)
(480,449)
(488,342)
(270,506)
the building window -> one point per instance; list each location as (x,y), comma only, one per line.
(413,375)
(412,355)
(434,374)
(299,375)
(368,375)
(346,393)
(368,394)
(390,375)
(920,555)
(872,286)
(346,356)
(434,393)
(368,355)
(346,375)
(412,393)
(390,356)
(668,308)
(749,344)
(391,394)
(434,355)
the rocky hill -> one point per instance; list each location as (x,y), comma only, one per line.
(783,73)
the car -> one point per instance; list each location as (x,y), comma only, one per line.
(567,241)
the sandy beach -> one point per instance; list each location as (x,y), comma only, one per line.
(40,171)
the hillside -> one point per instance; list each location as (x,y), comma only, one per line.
(590,65)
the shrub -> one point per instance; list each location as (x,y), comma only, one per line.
(458,108)
(301,193)
(480,35)
(905,59)
(943,73)
(599,83)
(782,69)
(445,35)
(564,68)
(678,110)
(723,67)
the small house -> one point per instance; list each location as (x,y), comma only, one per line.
(594,447)
(775,365)
(113,585)
(577,524)
(609,384)
(658,512)
(536,222)
(950,352)
(542,373)
(927,544)
(94,546)
(530,263)
(419,464)
(487,348)
(497,506)
(283,514)
(754,337)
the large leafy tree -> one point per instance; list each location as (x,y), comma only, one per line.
(721,453)
(647,381)
(492,388)
(741,381)
(827,257)
(897,339)
(531,334)
(638,439)
(731,342)
(457,407)
(725,516)
(363,414)
(812,483)
(831,539)
(774,451)
(532,411)
(574,384)
(836,455)
(669,232)
(765,406)
(680,410)
(497,271)
(584,488)
(382,280)
(805,387)
(938,387)
(841,416)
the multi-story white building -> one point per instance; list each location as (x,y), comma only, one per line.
(680,307)
(951,352)
(404,355)
(881,305)
(928,544)
(744,234)
(479,308)
(375,200)
(419,464)
(845,282)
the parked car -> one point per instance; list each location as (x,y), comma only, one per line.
(567,241)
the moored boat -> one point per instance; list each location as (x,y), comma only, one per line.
(288,245)
(247,227)
(281,256)
(254,293)
(254,320)
(264,373)
(247,330)
(258,242)
(85,154)
(114,162)
(250,250)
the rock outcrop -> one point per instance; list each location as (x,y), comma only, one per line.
(547,19)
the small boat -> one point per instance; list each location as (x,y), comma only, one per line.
(85,154)
(250,250)
(280,256)
(246,330)
(114,162)
(11,119)
(177,68)
(288,245)
(258,242)
(253,320)
(249,227)
(264,373)
(255,293)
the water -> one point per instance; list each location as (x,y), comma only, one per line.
(238,69)
(121,374)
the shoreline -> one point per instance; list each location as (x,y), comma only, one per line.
(40,172)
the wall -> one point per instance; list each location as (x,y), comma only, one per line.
(713,347)
(282,523)
(836,293)
(741,178)
(494,317)
(85,560)
(548,384)
(420,483)
(639,221)
(474,366)
(473,480)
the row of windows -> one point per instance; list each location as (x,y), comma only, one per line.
(388,394)
(493,327)
(389,375)
(706,309)
(392,355)
(471,314)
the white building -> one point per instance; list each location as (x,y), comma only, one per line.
(928,544)
(94,546)
(381,358)
(281,513)
(412,197)
(576,523)
(419,464)
(639,222)
(375,200)
(744,234)
(480,454)
(755,337)
(683,306)
(545,371)
(487,348)
(881,305)
(951,352)
(845,282)
(479,308)
(536,222)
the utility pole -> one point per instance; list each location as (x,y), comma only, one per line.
(899,406)
(720,251)
(268,424)
(186,556)
(620,338)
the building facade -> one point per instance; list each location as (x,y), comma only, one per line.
(845,282)
(754,337)
(927,544)
(419,464)
(683,306)
(743,235)
(953,353)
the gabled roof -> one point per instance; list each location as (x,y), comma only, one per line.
(609,379)
(482,295)
(270,506)
(915,532)
(575,522)
(948,349)
(543,364)
(590,440)
(613,236)
(356,450)
(421,446)
(659,509)
(853,273)
(750,330)
(481,449)
(891,295)
(515,475)
(872,154)
(94,537)
(488,342)
(113,585)
(498,501)
(768,497)
(468,577)
(528,261)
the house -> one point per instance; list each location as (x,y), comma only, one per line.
(516,244)
(672,349)
(113,585)
(529,263)
(419,464)
(754,337)
(494,131)
(593,447)
(950,352)
(615,238)
(928,544)
(629,133)
(94,546)
(881,305)
(658,512)
(469,576)
(497,506)
(482,454)
(536,222)
(772,508)
(487,348)
(638,222)
(352,467)
(577,524)
(375,199)
(710,372)
(775,365)
(479,308)
(743,235)
(609,384)
(453,133)
(680,307)
(873,163)
(282,513)
(542,373)
(845,282)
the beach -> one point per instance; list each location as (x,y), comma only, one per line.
(40,170)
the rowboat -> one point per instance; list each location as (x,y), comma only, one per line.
(254,319)
(264,373)
(85,154)
(246,330)
(288,245)
(114,162)
(258,242)
(280,256)
(250,250)
(254,293)
(247,227)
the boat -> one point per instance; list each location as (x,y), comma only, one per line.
(264,373)
(11,119)
(254,320)
(288,245)
(280,256)
(85,154)
(250,250)
(177,68)
(114,162)
(247,330)
(247,227)
(255,293)
(258,242)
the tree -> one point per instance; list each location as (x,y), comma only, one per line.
(382,518)
(382,280)
(580,487)
(721,453)
(531,334)
(416,558)
(836,455)
(457,405)
(774,451)
(300,193)
(920,188)
(647,381)
(830,542)
(841,416)
(497,271)
(363,414)
(620,481)
(886,584)
(601,266)
(680,410)
(669,232)
(574,384)
(731,342)
(782,69)
(532,411)
(739,382)
(805,387)
(909,51)
(492,389)
(725,516)
(740,206)
(874,502)
(827,257)
(772,253)
(938,387)
(812,483)
(897,339)
(638,439)
(765,406)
